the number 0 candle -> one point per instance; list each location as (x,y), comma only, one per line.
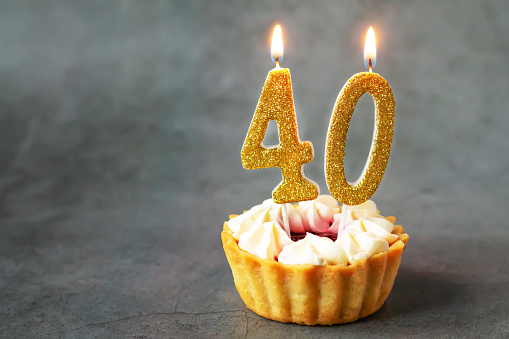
(374,84)
(276,103)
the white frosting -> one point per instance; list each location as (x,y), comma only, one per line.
(316,215)
(328,200)
(366,209)
(277,209)
(360,245)
(260,231)
(256,215)
(265,240)
(379,226)
(313,250)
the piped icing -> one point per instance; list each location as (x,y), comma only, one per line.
(294,218)
(379,226)
(361,245)
(316,215)
(265,240)
(366,209)
(313,250)
(256,215)
(260,231)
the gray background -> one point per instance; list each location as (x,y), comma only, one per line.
(121,125)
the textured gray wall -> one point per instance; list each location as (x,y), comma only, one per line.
(121,124)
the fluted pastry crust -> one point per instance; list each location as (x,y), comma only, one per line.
(314,295)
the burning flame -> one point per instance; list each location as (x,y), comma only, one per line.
(276,51)
(370,49)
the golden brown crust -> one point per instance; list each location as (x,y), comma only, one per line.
(313,295)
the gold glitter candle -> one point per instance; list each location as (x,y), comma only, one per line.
(375,85)
(276,103)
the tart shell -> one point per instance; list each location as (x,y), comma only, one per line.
(314,295)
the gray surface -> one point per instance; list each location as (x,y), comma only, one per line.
(121,125)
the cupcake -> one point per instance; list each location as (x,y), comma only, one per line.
(319,271)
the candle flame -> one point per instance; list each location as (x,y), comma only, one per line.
(370,49)
(276,51)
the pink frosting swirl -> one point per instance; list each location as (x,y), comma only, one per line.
(316,217)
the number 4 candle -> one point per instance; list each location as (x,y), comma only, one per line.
(276,103)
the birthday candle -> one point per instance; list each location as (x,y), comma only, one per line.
(366,82)
(276,103)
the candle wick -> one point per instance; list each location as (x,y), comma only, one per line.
(370,66)
(277,61)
